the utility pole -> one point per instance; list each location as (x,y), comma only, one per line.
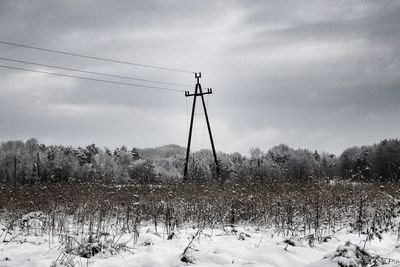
(199,92)
(15,169)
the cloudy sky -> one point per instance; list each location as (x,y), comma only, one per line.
(313,74)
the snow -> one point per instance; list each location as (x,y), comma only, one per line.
(213,247)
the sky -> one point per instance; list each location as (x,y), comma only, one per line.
(321,75)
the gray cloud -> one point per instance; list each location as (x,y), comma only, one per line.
(315,74)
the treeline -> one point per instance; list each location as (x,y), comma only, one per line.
(31,162)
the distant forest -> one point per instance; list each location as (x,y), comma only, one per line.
(31,163)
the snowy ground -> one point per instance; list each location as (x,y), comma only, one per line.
(243,247)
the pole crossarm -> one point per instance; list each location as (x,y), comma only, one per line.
(209,91)
(198,92)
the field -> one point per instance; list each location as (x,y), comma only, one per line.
(337,224)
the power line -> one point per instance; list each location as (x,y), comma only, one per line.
(93,79)
(92,72)
(96,58)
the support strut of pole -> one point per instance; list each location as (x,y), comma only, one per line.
(199,92)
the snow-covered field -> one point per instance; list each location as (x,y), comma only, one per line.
(241,246)
(93,225)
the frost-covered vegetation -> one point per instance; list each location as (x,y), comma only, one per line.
(92,221)
(32,163)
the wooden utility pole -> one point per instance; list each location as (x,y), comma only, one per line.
(199,92)
(15,170)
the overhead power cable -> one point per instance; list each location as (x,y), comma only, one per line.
(96,58)
(93,79)
(92,72)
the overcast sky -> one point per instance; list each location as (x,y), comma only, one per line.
(312,74)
